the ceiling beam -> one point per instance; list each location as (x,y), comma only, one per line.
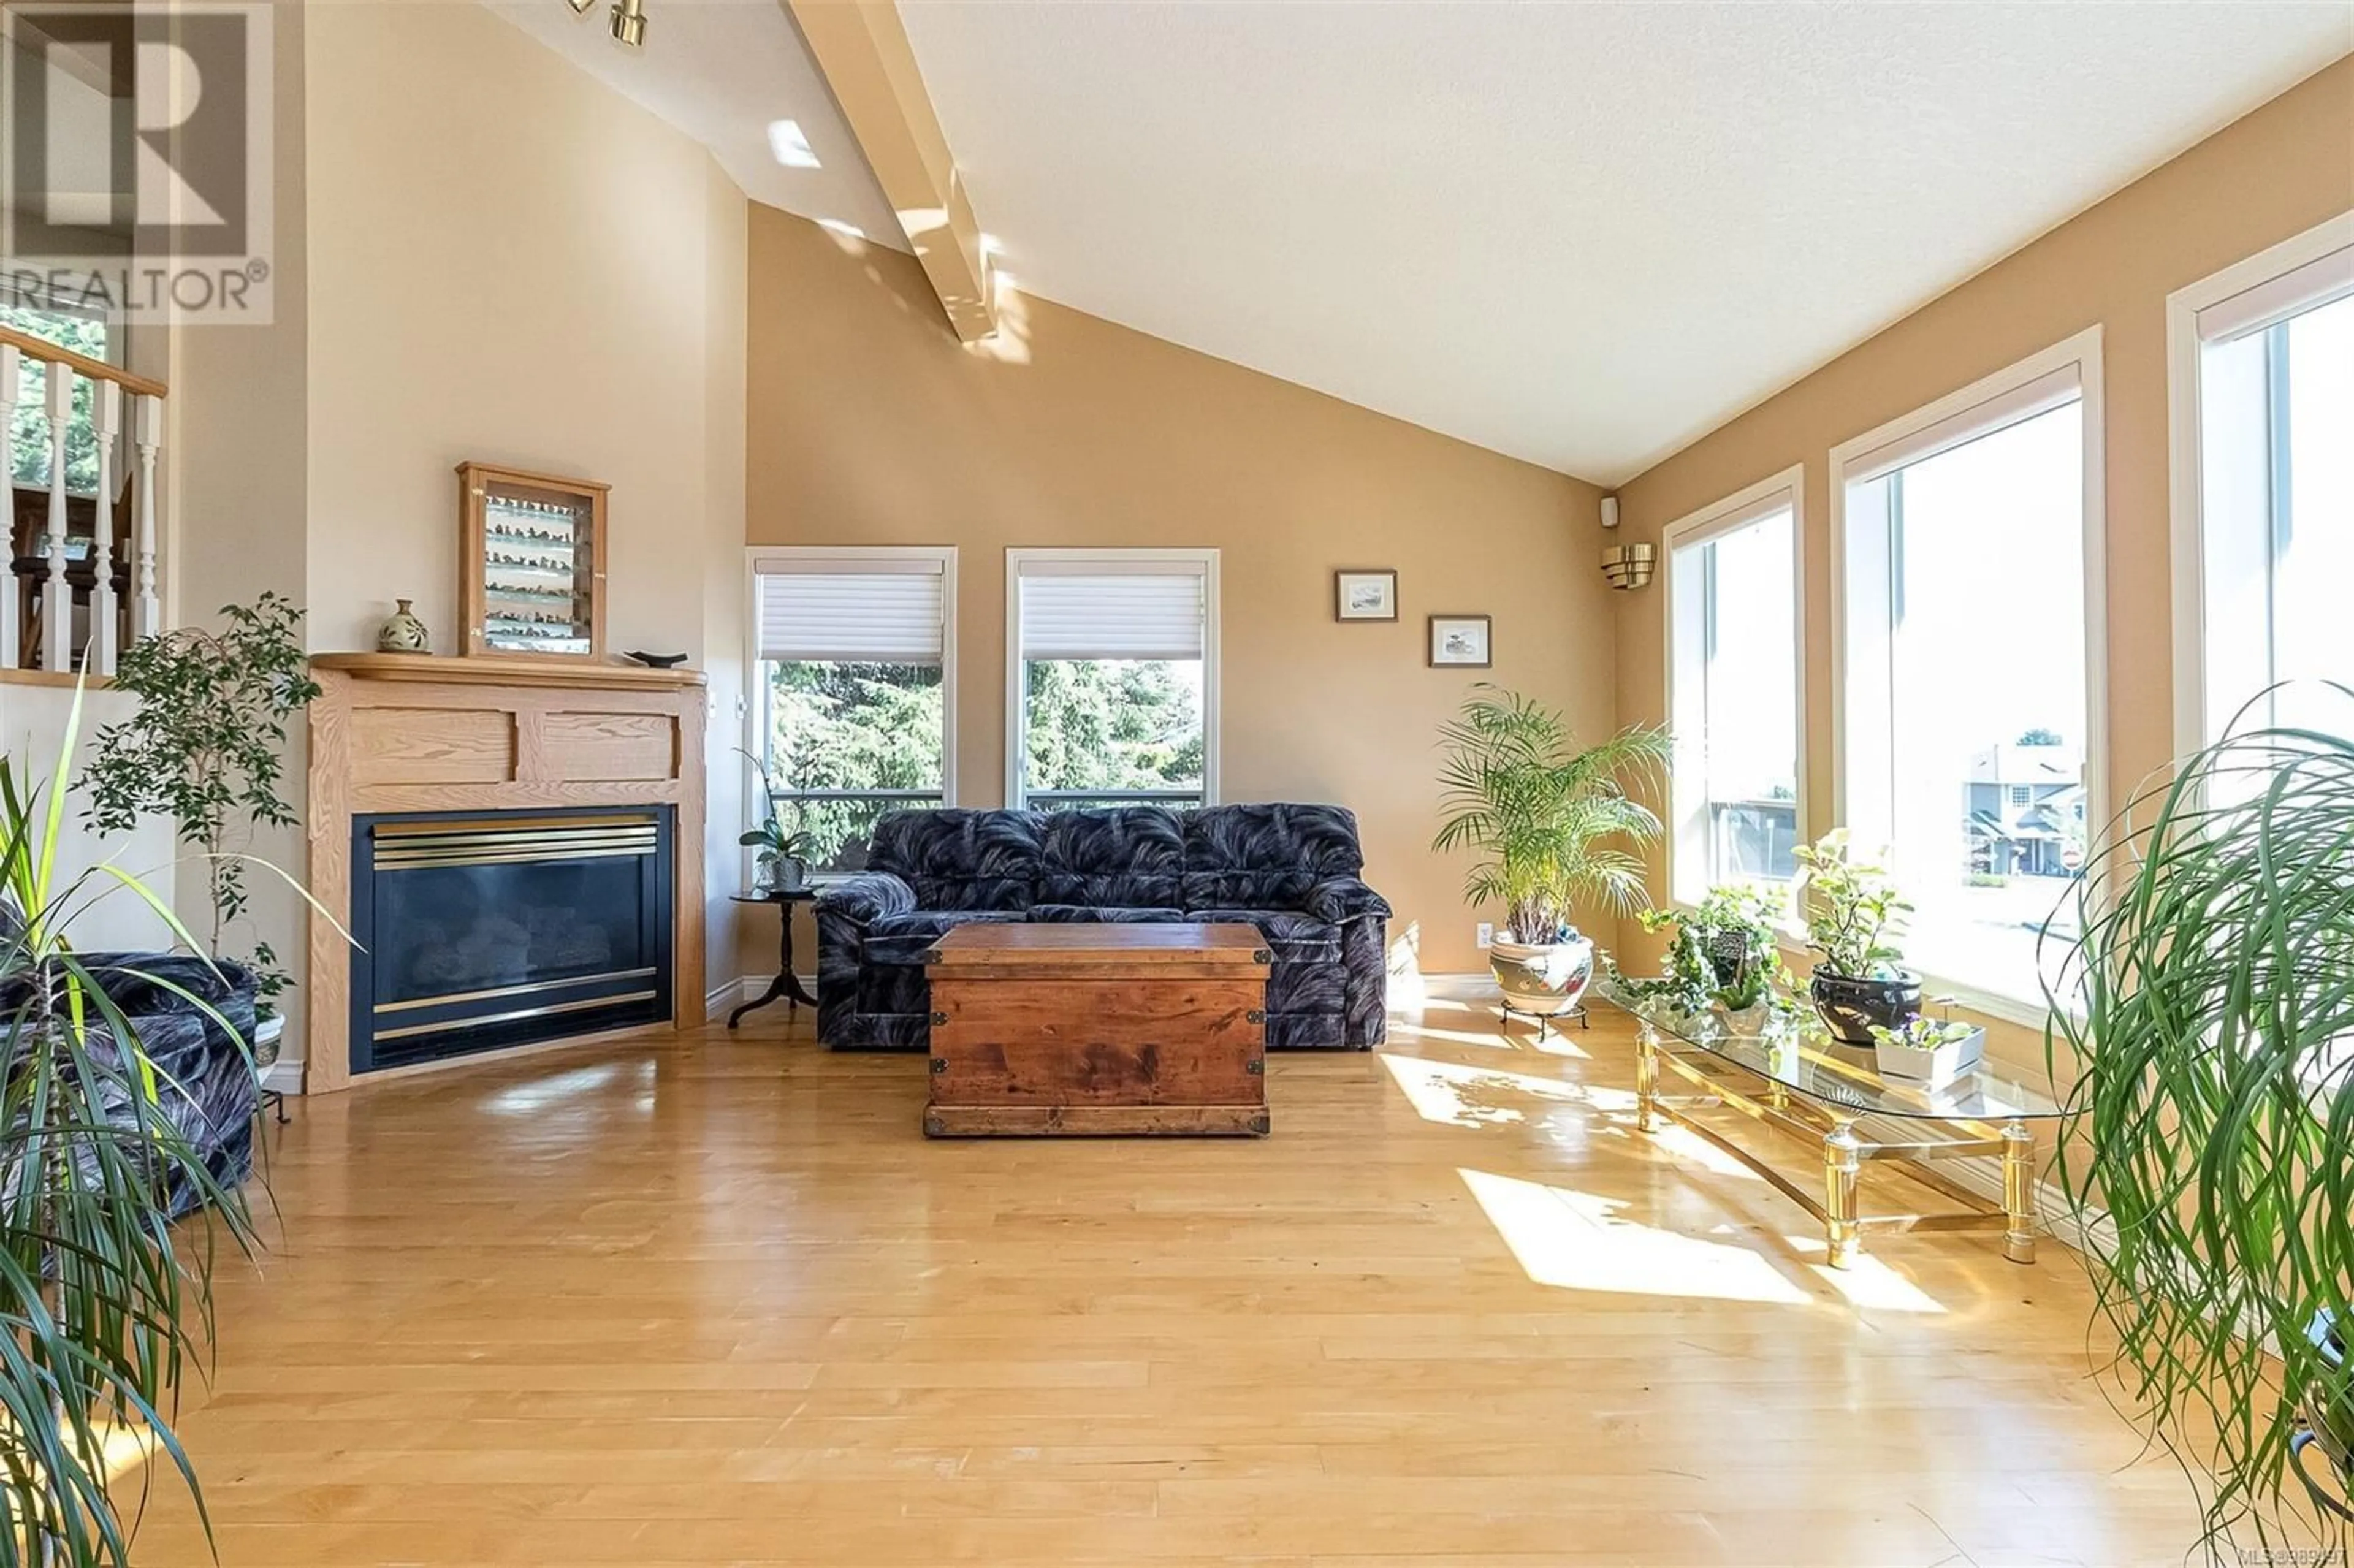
(861,47)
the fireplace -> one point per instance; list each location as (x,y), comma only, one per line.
(481,930)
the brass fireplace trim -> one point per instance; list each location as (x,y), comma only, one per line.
(415,846)
(453,998)
(553,1007)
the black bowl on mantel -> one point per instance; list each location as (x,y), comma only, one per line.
(657,661)
(1850,1006)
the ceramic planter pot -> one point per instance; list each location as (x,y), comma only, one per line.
(268,1034)
(1543,978)
(1850,1007)
(2328,1424)
(1938,1064)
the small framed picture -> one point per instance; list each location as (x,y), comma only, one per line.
(1364,595)
(1459,640)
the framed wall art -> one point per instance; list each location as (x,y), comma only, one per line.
(1368,593)
(1460,640)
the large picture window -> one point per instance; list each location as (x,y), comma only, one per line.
(1112,689)
(1971,719)
(2264,392)
(1733,689)
(853,699)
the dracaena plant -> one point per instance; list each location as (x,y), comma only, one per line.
(104,1301)
(1553,824)
(205,748)
(2206,1017)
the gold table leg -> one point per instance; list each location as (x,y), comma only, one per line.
(2018,1194)
(1842,1157)
(1647,1079)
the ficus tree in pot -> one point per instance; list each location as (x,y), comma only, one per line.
(2205,1016)
(1552,826)
(1855,920)
(205,748)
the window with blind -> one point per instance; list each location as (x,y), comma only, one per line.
(1733,689)
(855,702)
(1971,721)
(1112,684)
(2263,389)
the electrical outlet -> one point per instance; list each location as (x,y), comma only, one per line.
(1485,937)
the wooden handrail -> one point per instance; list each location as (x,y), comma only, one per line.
(42,349)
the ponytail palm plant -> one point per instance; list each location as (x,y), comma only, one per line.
(2208,1013)
(1553,824)
(102,1300)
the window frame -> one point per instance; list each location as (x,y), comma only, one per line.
(1962,416)
(1752,503)
(753,703)
(1202,561)
(2188,552)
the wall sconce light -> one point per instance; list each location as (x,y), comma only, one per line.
(629,23)
(580,7)
(1629,565)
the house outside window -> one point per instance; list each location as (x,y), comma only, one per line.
(854,695)
(1968,635)
(1112,677)
(1734,689)
(2262,397)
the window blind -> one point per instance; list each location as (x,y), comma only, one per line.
(880,612)
(1099,615)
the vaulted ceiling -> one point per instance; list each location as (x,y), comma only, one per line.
(1584,235)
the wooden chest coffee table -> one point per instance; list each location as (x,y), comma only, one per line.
(1053,1029)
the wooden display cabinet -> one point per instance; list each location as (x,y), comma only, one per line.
(532,564)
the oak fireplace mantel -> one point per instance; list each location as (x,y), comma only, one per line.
(406,733)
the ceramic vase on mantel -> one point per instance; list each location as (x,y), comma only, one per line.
(404,633)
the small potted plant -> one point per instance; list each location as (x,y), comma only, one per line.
(1928,1050)
(1552,823)
(1723,959)
(781,864)
(1854,917)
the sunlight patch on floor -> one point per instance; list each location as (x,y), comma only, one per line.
(1869,1283)
(1575,1241)
(1459,1096)
(1690,1146)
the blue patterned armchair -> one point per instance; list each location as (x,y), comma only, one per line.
(206,1082)
(1291,870)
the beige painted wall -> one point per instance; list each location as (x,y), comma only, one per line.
(2274,173)
(483,254)
(870,424)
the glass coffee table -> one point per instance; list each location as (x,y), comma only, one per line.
(1794,1076)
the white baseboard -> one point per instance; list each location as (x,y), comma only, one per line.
(747,987)
(283,1077)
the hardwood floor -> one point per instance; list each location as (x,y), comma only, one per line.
(717,1301)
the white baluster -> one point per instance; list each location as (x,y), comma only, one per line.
(105,416)
(146,608)
(57,597)
(10,647)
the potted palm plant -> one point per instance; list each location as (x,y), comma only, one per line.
(2206,1018)
(1553,824)
(1854,917)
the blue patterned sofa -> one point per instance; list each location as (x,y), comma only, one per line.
(1291,870)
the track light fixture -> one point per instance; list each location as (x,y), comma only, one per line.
(629,23)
